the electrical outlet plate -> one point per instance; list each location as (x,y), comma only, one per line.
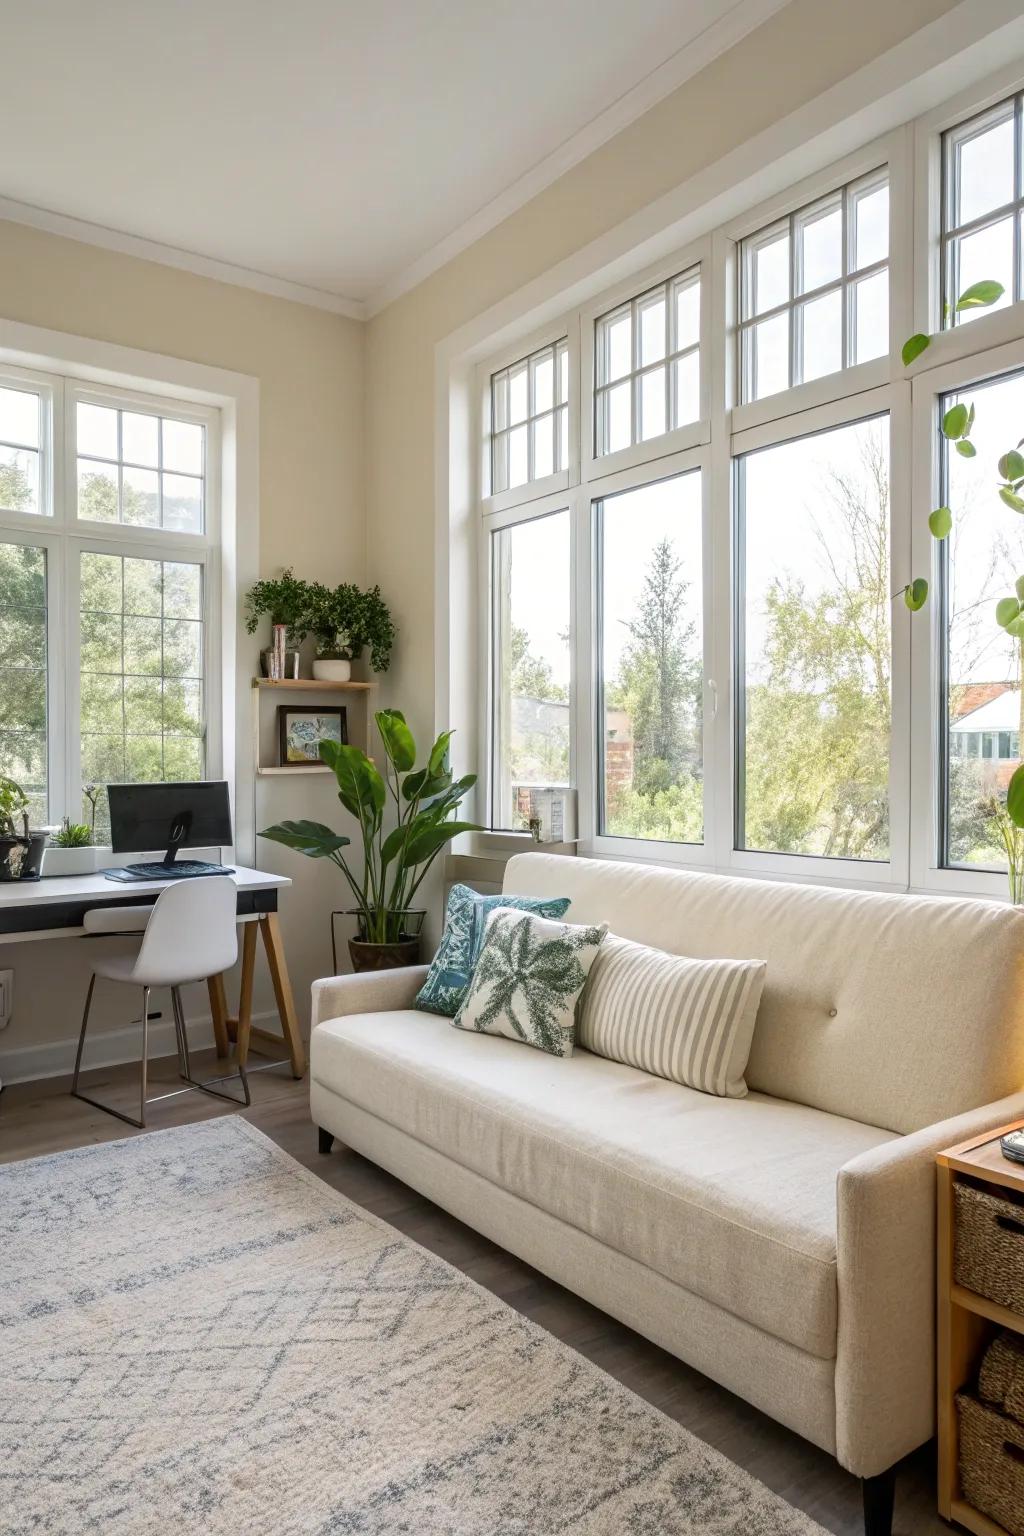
(6,997)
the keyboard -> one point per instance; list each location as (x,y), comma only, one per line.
(181,869)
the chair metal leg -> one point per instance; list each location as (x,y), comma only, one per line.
(185,1064)
(81,1034)
(209,1086)
(145,1056)
(140,1124)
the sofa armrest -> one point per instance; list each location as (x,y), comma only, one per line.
(366,992)
(885,1357)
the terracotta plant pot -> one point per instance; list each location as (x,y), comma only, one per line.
(384,957)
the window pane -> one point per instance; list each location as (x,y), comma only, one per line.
(615,417)
(140,439)
(518,465)
(652,669)
(525,424)
(871,317)
(987,253)
(771,273)
(531,631)
(986,555)
(770,341)
(543,383)
(985,171)
(19,418)
(182,497)
(19,480)
(23,694)
(870,227)
(518,393)
(614,347)
(652,404)
(182,446)
(687,314)
(141,672)
(97,491)
(821,326)
(140,497)
(543,447)
(653,322)
(686,405)
(96,427)
(816,706)
(820,247)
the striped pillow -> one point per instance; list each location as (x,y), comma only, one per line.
(691,1021)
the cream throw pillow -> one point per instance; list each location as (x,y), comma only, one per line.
(691,1021)
(530,972)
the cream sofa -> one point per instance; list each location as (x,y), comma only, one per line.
(782,1243)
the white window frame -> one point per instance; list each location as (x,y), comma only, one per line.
(533,490)
(993,343)
(65,536)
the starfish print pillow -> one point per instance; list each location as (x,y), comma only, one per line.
(528,978)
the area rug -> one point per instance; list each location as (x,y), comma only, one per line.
(198,1335)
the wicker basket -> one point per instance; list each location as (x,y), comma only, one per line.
(992,1463)
(989,1251)
(1001,1380)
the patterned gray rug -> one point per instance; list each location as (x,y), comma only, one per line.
(198,1335)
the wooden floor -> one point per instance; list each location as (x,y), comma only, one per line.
(40,1117)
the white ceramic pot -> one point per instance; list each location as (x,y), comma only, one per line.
(326,671)
(70,861)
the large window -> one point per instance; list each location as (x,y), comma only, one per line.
(815,703)
(105,583)
(716,628)
(814,289)
(983,207)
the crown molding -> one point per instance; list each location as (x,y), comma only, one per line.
(14,212)
(744,17)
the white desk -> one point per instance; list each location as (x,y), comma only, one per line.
(53,909)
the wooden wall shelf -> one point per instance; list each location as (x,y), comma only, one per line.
(311,685)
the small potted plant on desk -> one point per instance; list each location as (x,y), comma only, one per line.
(347,621)
(70,850)
(21,851)
(394,863)
(286,599)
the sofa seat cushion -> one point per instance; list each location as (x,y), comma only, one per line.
(734,1199)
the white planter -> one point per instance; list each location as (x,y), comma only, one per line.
(332,671)
(71,861)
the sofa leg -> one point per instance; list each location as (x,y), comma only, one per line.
(879,1498)
(326,1140)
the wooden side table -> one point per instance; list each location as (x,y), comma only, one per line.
(966,1322)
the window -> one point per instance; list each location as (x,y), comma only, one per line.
(647,365)
(652,674)
(814,290)
(103,610)
(815,705)
(530,418)
(532,667)
(980,563)
(983,206)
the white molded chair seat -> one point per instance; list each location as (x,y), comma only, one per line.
(189,934)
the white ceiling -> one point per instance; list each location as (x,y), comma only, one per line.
(332,144)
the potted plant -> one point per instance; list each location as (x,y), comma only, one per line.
(394,863)
(70,850)
(347,621)
(286,599)
(21,851)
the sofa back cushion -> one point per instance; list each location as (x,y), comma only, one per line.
(897,1011)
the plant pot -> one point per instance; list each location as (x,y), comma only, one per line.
(331,669)
(384,957)
(291,662)
(70,861)
(21,858)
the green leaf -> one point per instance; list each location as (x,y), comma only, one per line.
(361,789)
(1011,465)
(916,594)
(914,347)
(954,422)
(413,783)
(1018,587)
(397,738)
(1015,797)
(970,421)
(940,522)
(438,758)
(392,845)
(1007,609)
(1011,498)
(980,295)
(965,449)
(309,837)
(423,842)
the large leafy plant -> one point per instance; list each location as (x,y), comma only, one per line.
(395,862)
(346,620)
(286,598)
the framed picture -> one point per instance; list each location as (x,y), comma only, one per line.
(300,732)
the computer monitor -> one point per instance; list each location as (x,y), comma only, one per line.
(145,817)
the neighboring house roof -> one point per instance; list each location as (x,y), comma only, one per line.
(999,714)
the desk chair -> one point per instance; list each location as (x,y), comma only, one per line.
(188,935)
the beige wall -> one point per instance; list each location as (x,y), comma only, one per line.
(801,52)
(310,370)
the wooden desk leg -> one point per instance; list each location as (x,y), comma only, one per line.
(271,931)
(219,1013)
(244,1020)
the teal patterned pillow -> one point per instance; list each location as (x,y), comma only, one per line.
(528,979)
(451,970)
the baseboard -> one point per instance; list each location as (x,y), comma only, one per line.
(112,1048)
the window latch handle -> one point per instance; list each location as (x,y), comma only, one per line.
(712,687)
